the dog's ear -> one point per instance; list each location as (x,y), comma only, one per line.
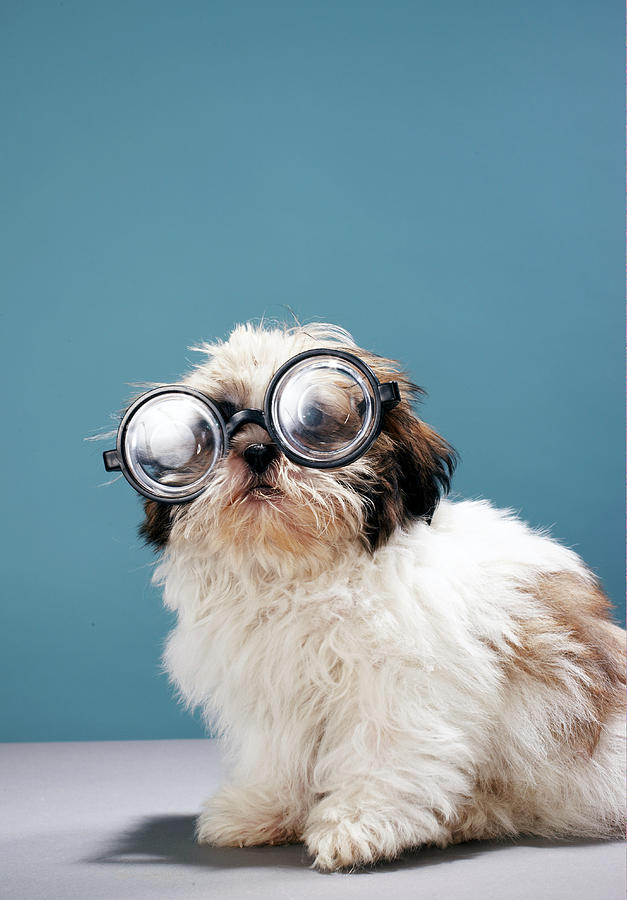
(156,527)
(425,462)
(414,465)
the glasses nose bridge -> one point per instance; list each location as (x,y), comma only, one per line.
(245,417)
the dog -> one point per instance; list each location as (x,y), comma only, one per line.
(388,668)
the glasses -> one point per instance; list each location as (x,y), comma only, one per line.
(323,409)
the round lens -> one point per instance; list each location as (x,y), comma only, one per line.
(323,409)
(171,444)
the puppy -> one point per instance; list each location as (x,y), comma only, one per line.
(389,669)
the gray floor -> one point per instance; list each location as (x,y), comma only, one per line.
(116,820)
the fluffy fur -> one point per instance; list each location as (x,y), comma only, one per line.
(387,670)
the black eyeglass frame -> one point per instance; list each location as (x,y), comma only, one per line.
(386,396)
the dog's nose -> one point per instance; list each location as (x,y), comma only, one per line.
(259,456)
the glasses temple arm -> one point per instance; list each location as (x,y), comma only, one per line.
(390,394)
(111,461)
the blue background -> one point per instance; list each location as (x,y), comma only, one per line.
(443,179)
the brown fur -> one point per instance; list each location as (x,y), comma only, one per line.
(572,632)
(573,628)
(157,525)
(413,464)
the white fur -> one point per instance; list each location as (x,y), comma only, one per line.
(361,704)
(362,695)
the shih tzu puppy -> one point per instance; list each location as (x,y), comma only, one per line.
(389,669)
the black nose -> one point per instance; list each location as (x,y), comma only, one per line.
(259,456)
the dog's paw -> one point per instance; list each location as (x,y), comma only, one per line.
(345,842)
(235,817)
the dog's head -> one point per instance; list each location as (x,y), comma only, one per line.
(262,507)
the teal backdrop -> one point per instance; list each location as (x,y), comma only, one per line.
(442,179)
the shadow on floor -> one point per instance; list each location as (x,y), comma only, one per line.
(170,840)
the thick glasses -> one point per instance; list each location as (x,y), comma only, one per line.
(323,409)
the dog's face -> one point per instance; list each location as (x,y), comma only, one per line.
(261,507)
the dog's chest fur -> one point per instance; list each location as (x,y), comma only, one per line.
(431,603)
